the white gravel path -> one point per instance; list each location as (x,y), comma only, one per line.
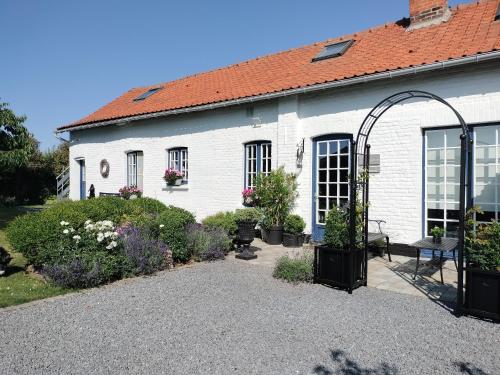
(233,318)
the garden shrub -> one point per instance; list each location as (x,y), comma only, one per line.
(294,224)
(207,244)
(337,228)
(144,254)
(222,220)
(173,223)
(276,195)
(483,246)
(247,214)
(295,269)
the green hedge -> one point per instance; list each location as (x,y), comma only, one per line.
(173,222)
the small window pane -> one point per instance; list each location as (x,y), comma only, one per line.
(453,137)
(333,176)
(322,176)
(488,213)
(435,139)
(435,174)
(322,203)
(485,155)
(344,161)
(344,147)
(322,190)
(334,147)
(322,148)
(435,214)
(453,156)
(435,157)
(485,135)
(486,174)
(485,193)
(322,162)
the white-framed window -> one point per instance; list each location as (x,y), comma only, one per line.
(258,159)
(442,180)
(487,172)
(135,167)
(178,160)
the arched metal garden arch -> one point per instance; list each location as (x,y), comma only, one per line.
(360,154)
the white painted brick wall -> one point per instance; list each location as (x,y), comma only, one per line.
(215,141)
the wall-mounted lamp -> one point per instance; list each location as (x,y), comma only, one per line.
(300,152)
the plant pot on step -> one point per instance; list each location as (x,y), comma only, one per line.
(273,235)
(482,293)
(293,240)
(341,268)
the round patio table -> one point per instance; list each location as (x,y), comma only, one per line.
(446,244)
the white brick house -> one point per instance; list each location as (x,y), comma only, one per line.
(416,186)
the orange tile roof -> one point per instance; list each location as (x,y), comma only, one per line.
(470,31)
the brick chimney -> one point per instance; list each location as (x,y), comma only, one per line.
(425,13)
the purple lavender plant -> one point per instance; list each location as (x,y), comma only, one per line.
(145,255)
(207,244)
(75,274)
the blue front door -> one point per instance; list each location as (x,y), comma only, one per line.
(83,187)
(331,163)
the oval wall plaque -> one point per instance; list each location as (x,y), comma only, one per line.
(104,168)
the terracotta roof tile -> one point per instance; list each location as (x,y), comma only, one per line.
(471,30)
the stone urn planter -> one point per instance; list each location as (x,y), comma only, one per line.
(246,235)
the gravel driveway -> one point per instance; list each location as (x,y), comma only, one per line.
(233,318)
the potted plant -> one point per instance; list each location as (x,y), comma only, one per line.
(250,198)
(437,234)
(335,262)
(246,220)
(277,192)
(293,228)
(482,272)
(5,258)
(173,177)
(130,192)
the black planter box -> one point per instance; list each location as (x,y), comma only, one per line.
(293,240)
(341,268)
(482,293)
(273,235)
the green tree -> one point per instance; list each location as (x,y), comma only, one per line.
(16,143)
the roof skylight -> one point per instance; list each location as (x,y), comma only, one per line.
(497,17)
(147,94)
(333,50)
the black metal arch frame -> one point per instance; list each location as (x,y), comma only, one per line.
(360,154)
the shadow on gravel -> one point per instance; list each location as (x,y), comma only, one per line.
(470,369)
(344,365)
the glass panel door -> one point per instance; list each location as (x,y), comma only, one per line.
(331,179)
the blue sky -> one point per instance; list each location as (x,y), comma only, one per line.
(63,59)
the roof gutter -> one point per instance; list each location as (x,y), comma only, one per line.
(303,90)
